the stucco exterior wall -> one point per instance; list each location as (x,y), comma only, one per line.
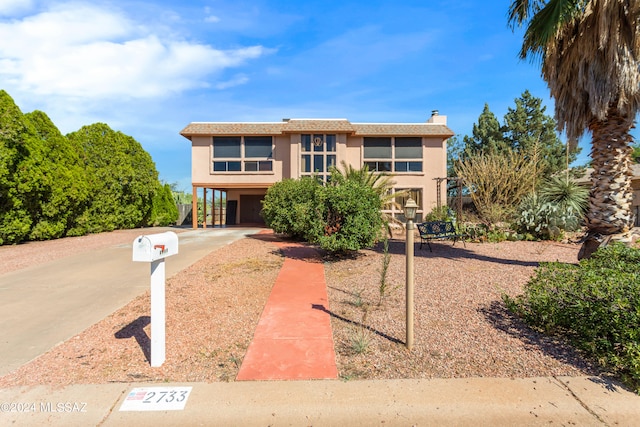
(287,155)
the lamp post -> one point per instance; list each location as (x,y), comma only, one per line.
(410,214)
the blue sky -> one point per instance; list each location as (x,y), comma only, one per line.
(148,68)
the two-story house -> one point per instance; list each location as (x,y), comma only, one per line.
(242,160)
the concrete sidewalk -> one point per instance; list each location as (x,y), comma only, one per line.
(577,401)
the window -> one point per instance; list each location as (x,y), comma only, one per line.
(379,166)
(226,147)
(228,154)
(408,148)
(318,155)
(401,200)
(399,154)
(258,146)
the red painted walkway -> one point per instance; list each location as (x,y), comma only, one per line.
(293,339)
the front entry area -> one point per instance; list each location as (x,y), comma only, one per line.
(228,206)
(250,207)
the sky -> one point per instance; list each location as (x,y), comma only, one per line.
(149,68)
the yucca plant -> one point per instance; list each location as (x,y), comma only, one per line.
(566,193)
(557,207)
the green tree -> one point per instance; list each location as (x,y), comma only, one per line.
(122,180)
(589,53)
(15,221)
(529,130)
(487,135)
(58,191)
(164,210)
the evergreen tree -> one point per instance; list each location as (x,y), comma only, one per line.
(15,221)
(164,210)
(92,180)
(122,180)
(487,136)
(58,189)
(527,129)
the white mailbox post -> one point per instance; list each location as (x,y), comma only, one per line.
(154,248)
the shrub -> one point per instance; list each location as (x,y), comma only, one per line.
(294,207)
(164,210)
(351,217)
(341,217)
(443,213)
(546,220)
(596,304)
(497,182)
(558,207)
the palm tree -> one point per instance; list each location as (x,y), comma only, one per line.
(590,53)
(381,183)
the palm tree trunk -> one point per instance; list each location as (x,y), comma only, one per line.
(611,193)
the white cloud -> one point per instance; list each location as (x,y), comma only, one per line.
(236,81)
(212,19)
(87,51)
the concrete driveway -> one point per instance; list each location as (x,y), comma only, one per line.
(44,305)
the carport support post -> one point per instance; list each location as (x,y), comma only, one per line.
(158,353)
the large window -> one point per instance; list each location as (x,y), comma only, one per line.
(242,154)
(399,154)
(318,155)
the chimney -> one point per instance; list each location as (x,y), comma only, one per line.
(437,118)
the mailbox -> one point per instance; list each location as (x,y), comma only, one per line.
(154,247)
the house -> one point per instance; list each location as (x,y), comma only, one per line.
(241,161)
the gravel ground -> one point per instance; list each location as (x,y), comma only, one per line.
(462,329)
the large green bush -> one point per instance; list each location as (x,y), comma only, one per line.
(164,210)
(294,207)
(92,180)
(42,184)
(122,180)
(352,217)
(595,303)
(340,217)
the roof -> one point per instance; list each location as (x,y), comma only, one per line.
(586,178)
(316,125)
(399,129)
(232,129)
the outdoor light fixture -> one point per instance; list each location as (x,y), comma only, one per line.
(410,209)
